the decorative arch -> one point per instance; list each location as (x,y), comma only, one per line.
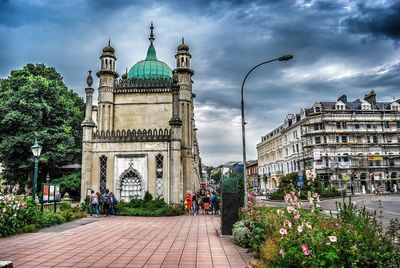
(130,184)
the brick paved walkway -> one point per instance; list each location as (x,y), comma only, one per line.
(183,241)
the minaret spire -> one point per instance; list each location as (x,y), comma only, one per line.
(183,40)
(151,33)
(109,42)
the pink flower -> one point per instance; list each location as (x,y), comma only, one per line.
(300,228)
(290,209)
(282,252)
(305,249)
(288,223)
(297,216)
(283,231)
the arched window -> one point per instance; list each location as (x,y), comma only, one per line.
(103,174)
(159,175)
(106,63)
(131,185)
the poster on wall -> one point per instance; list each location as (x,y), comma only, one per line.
(51,193)
(45,192)
(57,193)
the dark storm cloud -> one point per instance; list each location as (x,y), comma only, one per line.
(226,39)
(381,21)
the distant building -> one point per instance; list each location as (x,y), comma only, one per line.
(348,143)
(252,174)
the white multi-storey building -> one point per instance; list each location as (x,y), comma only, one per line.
(354,142)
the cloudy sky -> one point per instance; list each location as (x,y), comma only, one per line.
(339,47)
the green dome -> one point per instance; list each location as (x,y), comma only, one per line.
(150,68)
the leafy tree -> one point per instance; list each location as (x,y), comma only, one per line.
(36,104)
(70,183)
(216,177)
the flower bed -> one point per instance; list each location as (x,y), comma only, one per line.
(295,237)
(20,215)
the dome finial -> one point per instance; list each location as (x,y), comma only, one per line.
(183,40)
(109,42)
(151,33)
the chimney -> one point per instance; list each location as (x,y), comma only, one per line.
(371,97)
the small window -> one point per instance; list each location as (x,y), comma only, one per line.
(337,138)
(315,126)
(357,125)
(344,125)
(398,124)
(387,125)
(375,139)
(317,140)
(368,125)
(338,125)
(344,139)
(317,109)
(368,139)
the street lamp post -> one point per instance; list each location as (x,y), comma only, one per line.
(36,149)
(283,58)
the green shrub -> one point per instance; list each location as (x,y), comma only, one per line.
(65,205)
(241,233)
(168,210)
(67,214)
(49,219)
(147,197)
(30,228)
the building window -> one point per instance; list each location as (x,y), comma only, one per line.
(398,124)
(103,174)
(357,125)
(337,138)
(344,125)
(317,140)
(391,162)
(387,125)
(159,175)
(338,125)
(374,139)
(368,139)
(344,139)
(368,125)
(297,147)
(131,185)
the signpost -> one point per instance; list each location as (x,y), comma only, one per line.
(51,194)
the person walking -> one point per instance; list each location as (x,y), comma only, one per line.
(113,204)
(188,203)
(94,204)
(194,204)
(206,203)
(213,203)
(107,203)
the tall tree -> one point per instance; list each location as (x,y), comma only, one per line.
(36,104)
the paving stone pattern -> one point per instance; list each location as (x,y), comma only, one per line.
(184,241)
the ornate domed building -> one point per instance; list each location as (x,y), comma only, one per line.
(141,136)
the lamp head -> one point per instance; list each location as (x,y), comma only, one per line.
(36,149)
(285,57)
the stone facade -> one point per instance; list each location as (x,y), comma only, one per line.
(348,143)
(141,136)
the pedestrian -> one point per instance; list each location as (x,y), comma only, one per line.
(107,203)
(188,203)
(94,204)
(194,204)
(213,203)
(114,203)
(206,203)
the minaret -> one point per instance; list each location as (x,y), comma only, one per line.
(87,126)
(175,152)
(107,77)
(184,74)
